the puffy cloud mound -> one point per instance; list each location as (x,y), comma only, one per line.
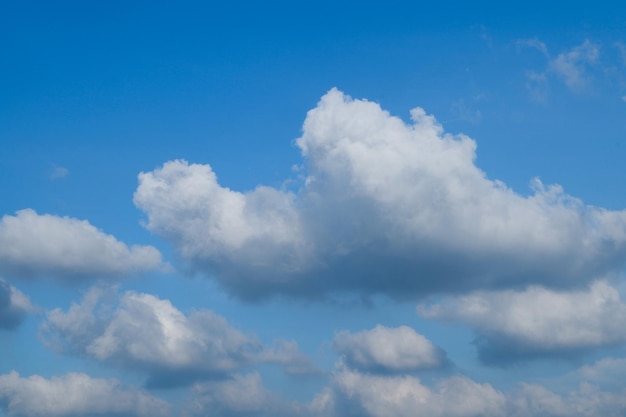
(33,245)
(74,394)
(242,395)
(537,321)
(386,207)
(369,395)
(385,349)
(355,393)
(142,332)
(149,334)
(14,306)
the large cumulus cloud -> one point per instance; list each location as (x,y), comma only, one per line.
(42,245)
(385,207)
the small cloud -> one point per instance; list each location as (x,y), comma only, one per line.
(58,172)
(571,65)
(388,350)
(14,306)
(467,112)
(535,44)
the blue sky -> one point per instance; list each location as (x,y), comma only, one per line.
(315,210)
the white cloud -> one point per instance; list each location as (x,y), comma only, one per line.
(385,349)
(149,334)
(386,207)
(606,371)
(570,66)
(14,305)
(242,395)
(538,320)
(33,245)
(531,400)
(287,353)
(534,43)
(74,394)
(573,67)
(58,172)
(354,393)
(142,332)
(398,396)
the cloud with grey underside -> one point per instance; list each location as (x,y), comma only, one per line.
(14,306)
(150,336)
(384,207)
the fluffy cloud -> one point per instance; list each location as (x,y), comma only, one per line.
(385,349)
(149,334)
(287,353)
(74,395)
(33,245)
(537,321)
(241,395)
(398,396)
(14,306)
(142,332)
(354,393)
(385,207)
(531,400)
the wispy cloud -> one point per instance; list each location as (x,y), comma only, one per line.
(58,172)
(571,66)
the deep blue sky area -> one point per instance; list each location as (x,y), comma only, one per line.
(316,209)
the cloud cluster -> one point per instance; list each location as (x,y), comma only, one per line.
(67,249)
(356,393)
(14,306)
(74,394)
(142,332)
(385,207)
(537,321)
(385,349)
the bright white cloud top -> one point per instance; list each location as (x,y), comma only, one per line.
(386,207)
